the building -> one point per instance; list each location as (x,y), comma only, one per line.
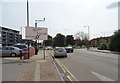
(97,41)
(9,36)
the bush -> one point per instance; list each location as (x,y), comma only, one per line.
(41,47)
(115,42)
(103,46)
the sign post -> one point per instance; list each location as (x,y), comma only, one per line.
(44,50)
(37,33)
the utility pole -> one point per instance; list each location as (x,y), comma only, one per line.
(88,46)
(36,49)
(27,13)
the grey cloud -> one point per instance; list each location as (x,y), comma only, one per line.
(113,5)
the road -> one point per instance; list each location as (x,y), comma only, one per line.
(12,68)
(86,65)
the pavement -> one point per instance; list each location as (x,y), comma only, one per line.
(39,69)
(103,51)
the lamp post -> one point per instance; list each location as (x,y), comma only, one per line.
(28,26)
(88,45)
(37,21)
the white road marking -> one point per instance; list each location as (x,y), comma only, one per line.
(37,72)
(103,78)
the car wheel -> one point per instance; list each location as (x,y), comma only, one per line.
(13,54)
(65,56)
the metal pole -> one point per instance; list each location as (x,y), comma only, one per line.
(36,47)
(36,40)
(28,25)
(88,33)
(28,50)
(88,37)
(44,50)
(27,13)
(36,50)
(35,24)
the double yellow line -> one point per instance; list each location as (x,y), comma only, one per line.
(65,70)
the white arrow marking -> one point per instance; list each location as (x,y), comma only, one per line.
(103,78)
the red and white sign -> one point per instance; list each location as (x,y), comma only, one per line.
(36,33)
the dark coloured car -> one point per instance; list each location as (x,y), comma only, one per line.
(69,49)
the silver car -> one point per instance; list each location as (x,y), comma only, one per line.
(60,52)
(10,51)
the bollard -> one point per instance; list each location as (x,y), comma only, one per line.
(21,54)
(25,53)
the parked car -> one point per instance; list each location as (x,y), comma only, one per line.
(69,49)
(20,46)
(60,52)
(10,51)
(48,48)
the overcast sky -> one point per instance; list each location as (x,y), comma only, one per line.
(64,16)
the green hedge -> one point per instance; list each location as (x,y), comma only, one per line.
(103,46)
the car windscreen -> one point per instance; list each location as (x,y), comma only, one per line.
(69,47)
(60,49)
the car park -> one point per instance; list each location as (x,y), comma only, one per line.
(10,51)
(60,52)
(69,49)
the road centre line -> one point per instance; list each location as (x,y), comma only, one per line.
(103,78)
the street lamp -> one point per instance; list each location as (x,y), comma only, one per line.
(88,46)
(36,21)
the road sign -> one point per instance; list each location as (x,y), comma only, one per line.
(36,33)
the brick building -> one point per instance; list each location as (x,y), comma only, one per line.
(97,41)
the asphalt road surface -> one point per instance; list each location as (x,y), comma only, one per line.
(91,66)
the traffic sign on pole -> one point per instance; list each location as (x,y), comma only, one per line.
(36,33)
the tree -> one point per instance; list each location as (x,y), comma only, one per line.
(78,42)
(115,41)
(85,42)
(81,35)
(81,38)
(49,42)
(59,40)
(69,40)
